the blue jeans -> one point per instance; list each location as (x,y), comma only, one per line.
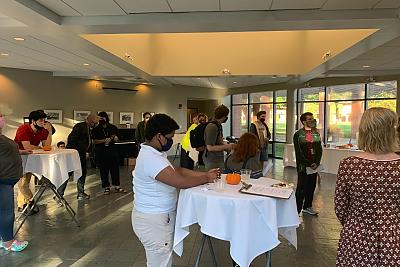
(7,209)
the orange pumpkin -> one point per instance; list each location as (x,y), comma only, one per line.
(233,178)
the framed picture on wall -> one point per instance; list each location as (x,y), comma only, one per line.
(54,115)
(80,115)
(126,117)
(110,115)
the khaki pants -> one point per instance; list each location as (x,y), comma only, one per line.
(156,232)
(24,193)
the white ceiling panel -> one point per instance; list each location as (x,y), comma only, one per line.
(388,4)
(144,6)
(296,4)
(352,4)
(95,7)
(237,5)
(59,7)
(194,5)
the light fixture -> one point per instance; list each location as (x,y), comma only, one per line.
(226,71)
(234,82)
(366,66)
(4,54)
(19,39)
(86,64)
(274,77)
(198,78)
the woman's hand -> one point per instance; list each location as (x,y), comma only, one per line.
(25,151)
(212,175)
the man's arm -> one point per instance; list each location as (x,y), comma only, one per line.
(185,178)
(28,146)
(211,133)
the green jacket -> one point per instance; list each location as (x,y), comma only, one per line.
(139,133)
(299,141)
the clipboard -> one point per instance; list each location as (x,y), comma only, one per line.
(266,191)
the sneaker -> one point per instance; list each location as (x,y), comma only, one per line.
(59,202)
(82,196)
(310,211)
(16,246)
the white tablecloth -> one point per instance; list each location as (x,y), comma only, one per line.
(331,157)
(250,223)
(54,165)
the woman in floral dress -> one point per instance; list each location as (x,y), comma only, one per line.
(367,197)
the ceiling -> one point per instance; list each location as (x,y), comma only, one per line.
(53,31)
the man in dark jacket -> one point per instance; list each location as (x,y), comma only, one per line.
(80,139)
(139,133)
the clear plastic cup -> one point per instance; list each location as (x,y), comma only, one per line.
(219,185)
(245,175)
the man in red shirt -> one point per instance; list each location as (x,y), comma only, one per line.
(28,137)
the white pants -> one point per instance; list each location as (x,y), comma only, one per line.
(156,232)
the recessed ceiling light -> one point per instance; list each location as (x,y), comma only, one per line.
(85,64)
(4,54)
(198,78)
(366,66)
(19,39)
(274,77)
(234,82)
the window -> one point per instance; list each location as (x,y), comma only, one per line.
(338,109)
(244,111)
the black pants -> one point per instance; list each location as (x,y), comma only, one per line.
(305,190)
(185,160)
(108,162)
(80,185)
(200,160)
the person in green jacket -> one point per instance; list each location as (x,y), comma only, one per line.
(139,133)
(308,150)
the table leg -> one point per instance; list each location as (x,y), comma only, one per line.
(70,210)
(203,240)
(212,251)
(268,254)
(27,210)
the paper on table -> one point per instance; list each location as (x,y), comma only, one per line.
(40,151)
(268,191)
(309,170)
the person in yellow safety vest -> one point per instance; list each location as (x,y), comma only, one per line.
(185,160)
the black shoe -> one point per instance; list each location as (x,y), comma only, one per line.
(31,210)
(82,196)
(21,209)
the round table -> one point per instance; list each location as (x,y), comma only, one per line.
(54,165)
(250,223)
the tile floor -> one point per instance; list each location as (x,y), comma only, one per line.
(105,237)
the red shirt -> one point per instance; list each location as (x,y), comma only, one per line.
(25,133)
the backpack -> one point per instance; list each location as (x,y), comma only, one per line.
(197,135)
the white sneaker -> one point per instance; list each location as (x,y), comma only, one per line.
(310,211)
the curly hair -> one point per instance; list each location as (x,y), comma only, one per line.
(246,147)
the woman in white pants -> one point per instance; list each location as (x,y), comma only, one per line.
(155,186)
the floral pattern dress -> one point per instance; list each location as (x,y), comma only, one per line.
(367,204)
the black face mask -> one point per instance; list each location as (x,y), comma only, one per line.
(102,122)
(262,119)
(225,120)
(37,127)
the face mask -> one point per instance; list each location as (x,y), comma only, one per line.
(38,127)
(312,124)
(225,120)
(2,122)
(102,122)
(168,145)
(262,119)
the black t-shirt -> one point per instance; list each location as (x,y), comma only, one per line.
(99,133)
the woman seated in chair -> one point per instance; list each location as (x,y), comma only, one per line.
(245,155)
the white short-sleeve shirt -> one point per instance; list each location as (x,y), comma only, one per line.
(151,195)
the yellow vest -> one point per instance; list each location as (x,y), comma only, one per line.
(185,143)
